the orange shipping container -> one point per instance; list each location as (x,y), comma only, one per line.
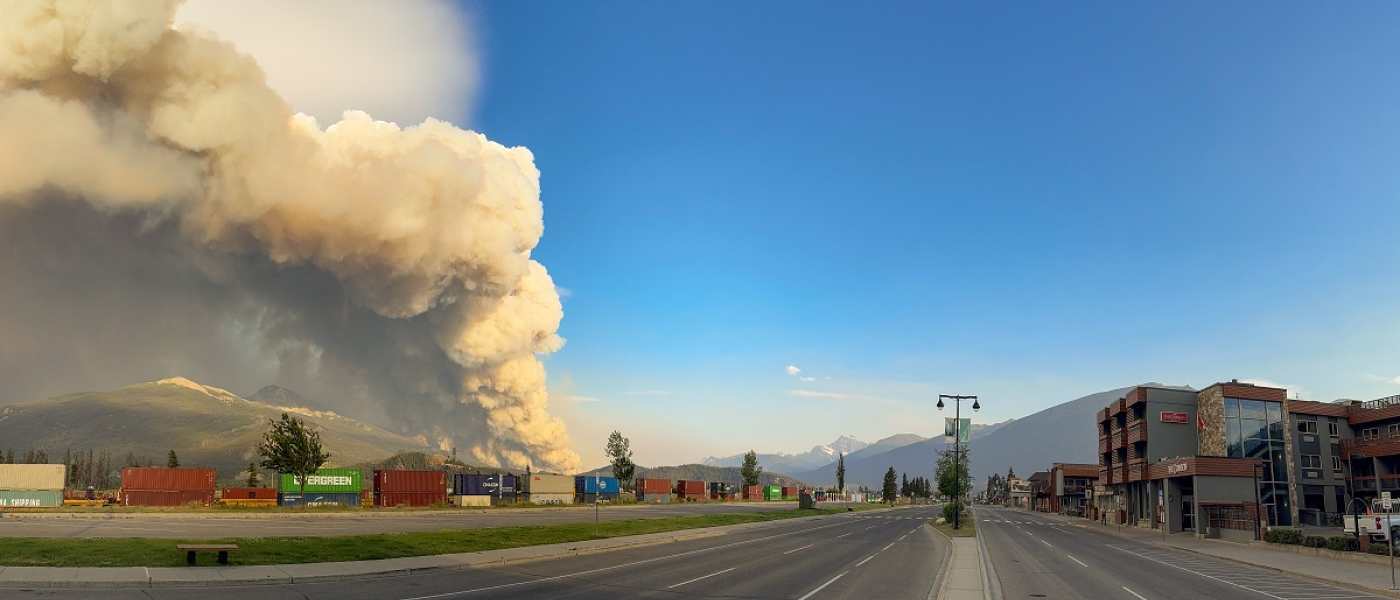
(653,486)
(392,499)
(168,480)
(417,482)
(249,494)
(753,492)
(690,490)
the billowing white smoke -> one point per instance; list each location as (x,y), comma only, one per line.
(396,258)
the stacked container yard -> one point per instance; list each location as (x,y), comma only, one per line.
(689,490)
(410,488)
(721,491)
(327,487)
(32,485)
(155,486)
(549,489)
(248,497)
(753,492)
(772,492)
(653,490)
(819,496)
(473,489)
(589,489)
(789,492)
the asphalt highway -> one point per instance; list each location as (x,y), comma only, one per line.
(884,554)
(1040,557)
(204,525)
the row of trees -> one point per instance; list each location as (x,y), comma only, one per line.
(619,452)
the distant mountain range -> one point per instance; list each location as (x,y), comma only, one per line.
(707,473)
(1064,433)
(818,456)
(205,426)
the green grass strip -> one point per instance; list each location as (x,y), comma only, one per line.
(146,552)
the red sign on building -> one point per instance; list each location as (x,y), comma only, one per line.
(1174,417)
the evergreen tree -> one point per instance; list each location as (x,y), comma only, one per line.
(904,485)
(254,479)
(10,456)
(172,461)
(889,493)
(619,449)
(841,472)
(131,459)
(750,470)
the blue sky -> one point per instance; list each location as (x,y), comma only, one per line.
(1031,202)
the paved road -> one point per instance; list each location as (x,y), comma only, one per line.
(889,555)
(328,524)
(1040,557)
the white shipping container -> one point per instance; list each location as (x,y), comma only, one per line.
(33,477)
(550,484)
(551,498)
(472,500)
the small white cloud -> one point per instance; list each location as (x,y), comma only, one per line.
(563,291)
(808,379)
(576,398)
(1374,377)
(648,393)
(840,397)
(791,370)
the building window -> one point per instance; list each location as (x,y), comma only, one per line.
(1307,426)
(1255,429)
(1312,461)
(1392,429)
(1337,464)
(1333,430)
(1371,432)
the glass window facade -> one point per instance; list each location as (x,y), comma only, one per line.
(1254,429)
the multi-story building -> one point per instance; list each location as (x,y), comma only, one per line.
(1020,493)
(1040,489)
(1071,486)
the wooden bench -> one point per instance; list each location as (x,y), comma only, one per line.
(222,549)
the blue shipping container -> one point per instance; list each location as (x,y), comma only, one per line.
(584,484)
(471,484)
(319,499)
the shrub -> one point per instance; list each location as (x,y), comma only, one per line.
(1284,535)
(1315,541)
(1379,549)
(1341,543)
(950,509)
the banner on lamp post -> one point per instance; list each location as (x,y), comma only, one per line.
(959,430)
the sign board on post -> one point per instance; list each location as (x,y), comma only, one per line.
(1386,501)
(1174,417)
(952,430)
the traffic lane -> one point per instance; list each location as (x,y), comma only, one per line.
(1028,568)
(908,568)
(1152,572)
(511,580)
(333,525)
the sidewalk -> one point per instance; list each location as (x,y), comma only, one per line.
(1357,575)
(111,577)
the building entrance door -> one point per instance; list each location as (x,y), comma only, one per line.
(1188,513)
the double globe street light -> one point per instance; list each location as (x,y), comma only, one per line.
(957,449)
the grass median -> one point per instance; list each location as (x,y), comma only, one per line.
(147,552)
(967,526)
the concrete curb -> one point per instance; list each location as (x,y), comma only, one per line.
(941,590)
(165,577)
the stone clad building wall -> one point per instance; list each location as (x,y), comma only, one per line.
(1210,405)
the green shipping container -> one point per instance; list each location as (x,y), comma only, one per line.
(20,499)
(772,492)
(325,481)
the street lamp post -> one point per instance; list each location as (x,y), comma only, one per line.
(957,449)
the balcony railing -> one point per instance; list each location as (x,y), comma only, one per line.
(1137,432)
(1378,403)
(1361,442)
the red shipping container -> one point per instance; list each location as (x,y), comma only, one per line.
(166,498)
(789,491)
(753,492)
(392,499)
(653,486)
(432,482)
(687,489)
(167,480)
(249,494)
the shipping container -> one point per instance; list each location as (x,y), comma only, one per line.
(166,497)
(257,502)
(157,479)
(721,491)
(689,490)
(549,484)
(550,498)
(249,494)
(472,500)
(392,499)
(434,482)
(319,499)
(586,484)
(33,477)
(473,484)
(772,492)
(30,498)
(654,498)
(596,498)
(336,481)
(789,492)
(652,486)
(819,495)
(753,492)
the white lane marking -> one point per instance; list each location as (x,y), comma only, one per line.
(1081,563)
(1220,579)
(870,527)
(867,559)
(796,549)
(887,547)
(901,538)
(1046,543)
(833,580)
(615,567)
(702,577)
(1135,594)
(844,534)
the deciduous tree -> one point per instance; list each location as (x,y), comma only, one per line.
(289,446)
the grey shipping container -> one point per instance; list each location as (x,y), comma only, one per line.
(32,477)
(319,499)
(472,500)
(30,498)
(593,498)
(655,498)
(552,498)
(549,484)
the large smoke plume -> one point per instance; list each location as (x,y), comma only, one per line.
(161,207)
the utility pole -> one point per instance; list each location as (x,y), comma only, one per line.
(957,450)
